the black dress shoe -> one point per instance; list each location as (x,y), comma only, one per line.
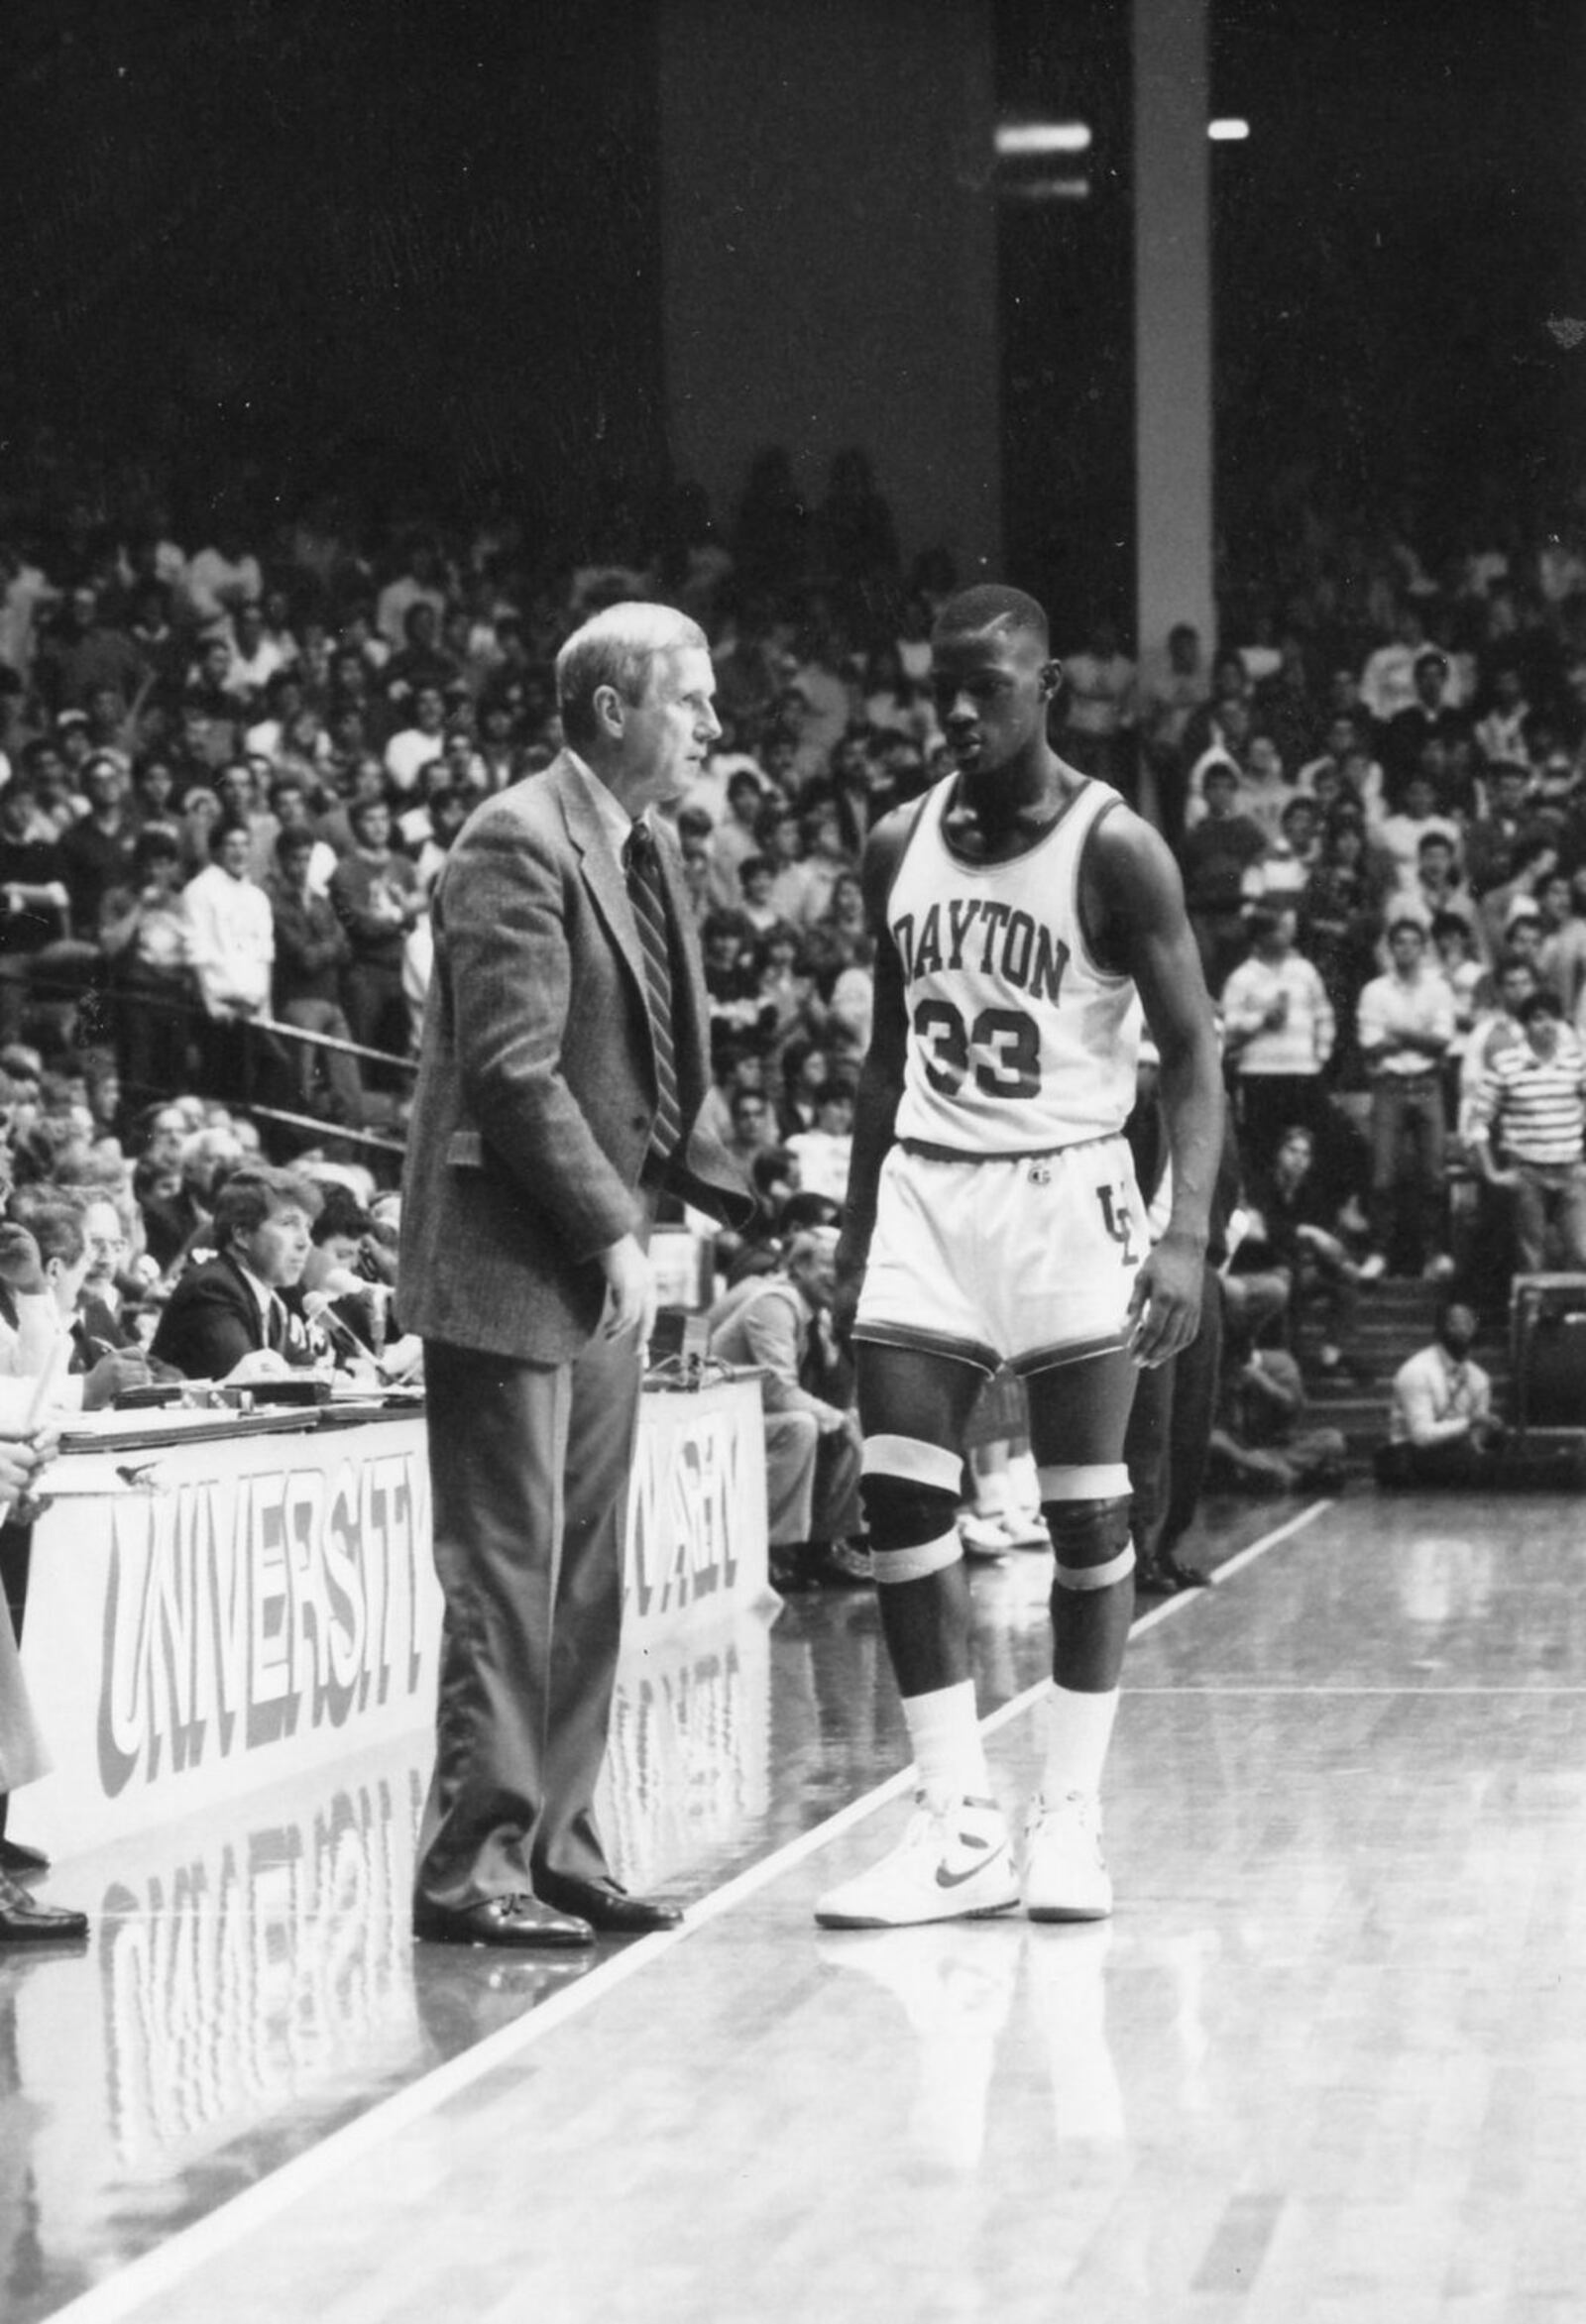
(608,1908)
(22,1922)
(520,1920)
(21,1863)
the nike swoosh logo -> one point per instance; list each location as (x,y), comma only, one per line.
(947,1879)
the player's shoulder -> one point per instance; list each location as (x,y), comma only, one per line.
(1126,855)
(1116,824)
(896,828)
(888,839)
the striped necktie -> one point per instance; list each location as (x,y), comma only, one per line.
(649,899)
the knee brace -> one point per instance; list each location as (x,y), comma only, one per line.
(1087,1511)
(910,1494)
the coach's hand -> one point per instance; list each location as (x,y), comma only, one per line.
(629,1289)
(850,1268)
(1164,1304)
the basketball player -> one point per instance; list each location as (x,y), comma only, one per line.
(1022,913)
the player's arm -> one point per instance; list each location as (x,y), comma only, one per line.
(1134,913)
(880,1084)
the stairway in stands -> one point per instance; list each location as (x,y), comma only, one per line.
(1397,1316)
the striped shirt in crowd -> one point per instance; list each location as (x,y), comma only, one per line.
(1535,1108)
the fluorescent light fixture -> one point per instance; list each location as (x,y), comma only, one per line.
(1228,133)
(1019,137)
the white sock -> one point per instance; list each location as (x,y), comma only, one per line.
(990,1480)
(1079,1730)
(948,1751)
(1024,1485)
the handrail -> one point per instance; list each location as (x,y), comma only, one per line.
(104,992)
(327,1132)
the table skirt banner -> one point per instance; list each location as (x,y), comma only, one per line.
(253,1956)
(272,1605)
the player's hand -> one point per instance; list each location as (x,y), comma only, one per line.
(1164,1304)
(629,1289)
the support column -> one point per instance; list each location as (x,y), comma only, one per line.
(829,230)
(1174,441)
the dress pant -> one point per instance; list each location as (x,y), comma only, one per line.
(340,1071)
(153,1016)
(377,1011)
(21,1752)
(812,1480)
(1551,1216)
(1170,1433)
(1409,1146)
(528,1471)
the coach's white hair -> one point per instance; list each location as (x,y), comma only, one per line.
(616,648)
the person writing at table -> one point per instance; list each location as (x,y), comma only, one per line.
(239,1316)
(563,1069)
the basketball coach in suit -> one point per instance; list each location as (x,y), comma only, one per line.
(563,1065)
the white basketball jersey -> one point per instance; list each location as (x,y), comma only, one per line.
(1018,1042)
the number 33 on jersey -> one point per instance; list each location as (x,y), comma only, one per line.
(1018,1042)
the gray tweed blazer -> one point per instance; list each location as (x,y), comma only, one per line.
(536,1081)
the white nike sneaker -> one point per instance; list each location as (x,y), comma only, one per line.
(952,1863)
(1065,1876)
(983,1537)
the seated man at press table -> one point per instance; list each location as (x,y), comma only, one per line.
(811,1445)
(239,1316)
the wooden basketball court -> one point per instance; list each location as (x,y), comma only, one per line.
(1327,2062)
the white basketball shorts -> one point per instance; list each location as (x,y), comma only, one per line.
(1028,1263)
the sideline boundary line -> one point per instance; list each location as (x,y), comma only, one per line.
(144,2278)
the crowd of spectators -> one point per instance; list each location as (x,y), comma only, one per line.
(234,752)
(1383,841)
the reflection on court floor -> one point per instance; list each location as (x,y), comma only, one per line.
(251,1979)
(1324,2064)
